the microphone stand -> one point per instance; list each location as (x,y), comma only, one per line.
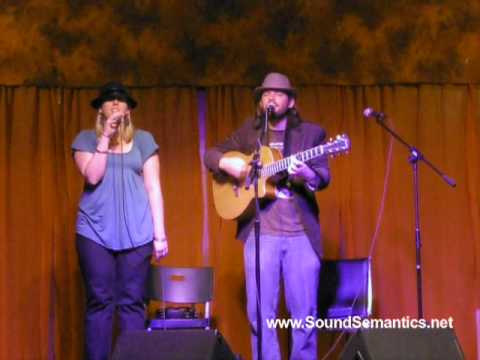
(252,177)
(414,158)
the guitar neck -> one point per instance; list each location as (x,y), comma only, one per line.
(281,165)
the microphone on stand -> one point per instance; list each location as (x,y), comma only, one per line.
(371,113)
(270,109)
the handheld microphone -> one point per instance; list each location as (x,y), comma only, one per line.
(370,113)
(123,119)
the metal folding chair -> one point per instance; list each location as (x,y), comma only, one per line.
(186,286)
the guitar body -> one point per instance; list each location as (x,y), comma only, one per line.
(231,198)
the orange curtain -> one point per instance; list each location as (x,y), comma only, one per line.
(41,294)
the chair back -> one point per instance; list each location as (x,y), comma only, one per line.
(187,285)
(345,288)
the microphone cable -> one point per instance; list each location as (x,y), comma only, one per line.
(122,180)
(375,234)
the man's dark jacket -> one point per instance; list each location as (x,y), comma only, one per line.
(300,135)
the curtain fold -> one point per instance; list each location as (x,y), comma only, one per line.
(41,293)
(227,108)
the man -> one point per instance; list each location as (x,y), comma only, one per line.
(290,244)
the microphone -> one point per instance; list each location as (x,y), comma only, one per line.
(122,118)
(270,109)
(369,113)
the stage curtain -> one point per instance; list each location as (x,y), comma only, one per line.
(41,294)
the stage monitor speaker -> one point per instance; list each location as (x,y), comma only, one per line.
(403,344)
(172,345)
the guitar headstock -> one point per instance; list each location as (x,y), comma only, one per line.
(340,144)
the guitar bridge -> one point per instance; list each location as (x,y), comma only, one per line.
(236,189)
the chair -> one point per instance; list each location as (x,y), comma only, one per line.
(345,289)
(181,285)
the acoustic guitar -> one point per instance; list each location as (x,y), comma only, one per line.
(232,198)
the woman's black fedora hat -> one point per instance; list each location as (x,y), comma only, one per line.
(112,91)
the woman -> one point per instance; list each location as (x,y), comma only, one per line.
(120,216)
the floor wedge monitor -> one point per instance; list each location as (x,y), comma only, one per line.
(172,345)
(403,344)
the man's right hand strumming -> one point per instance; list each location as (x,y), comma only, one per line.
(234,166)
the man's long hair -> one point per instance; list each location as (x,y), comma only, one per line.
(293,120)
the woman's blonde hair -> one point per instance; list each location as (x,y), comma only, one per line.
(125,132)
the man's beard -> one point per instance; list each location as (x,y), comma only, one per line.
(276,117)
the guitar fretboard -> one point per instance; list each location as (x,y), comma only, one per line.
(281,165)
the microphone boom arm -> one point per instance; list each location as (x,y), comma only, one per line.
(416,154)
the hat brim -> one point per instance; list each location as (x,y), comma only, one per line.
(98,101)
(257,93)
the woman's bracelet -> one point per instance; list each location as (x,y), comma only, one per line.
(162,239)
(101,151)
